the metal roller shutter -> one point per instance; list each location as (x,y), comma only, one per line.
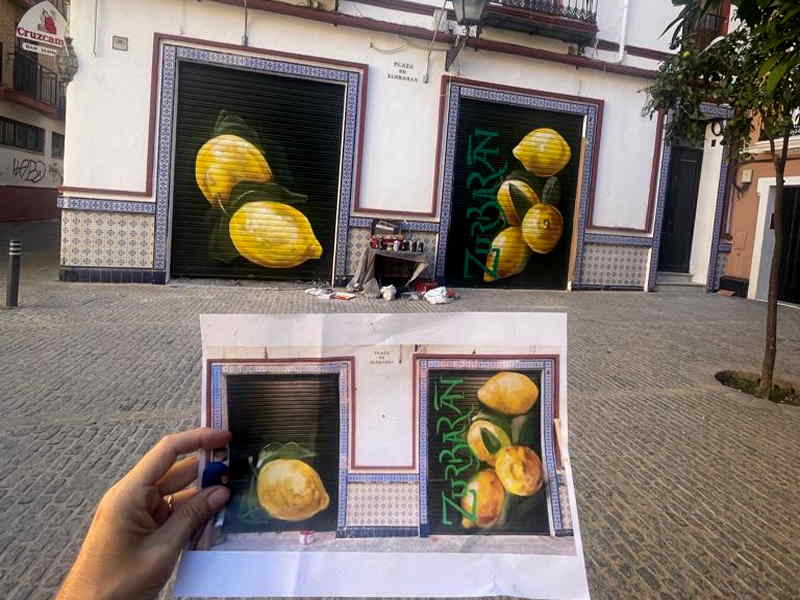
(269,409)
(256,182)
(525,515)
(487,135)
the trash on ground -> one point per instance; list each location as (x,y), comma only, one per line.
(410,296)
(319,292)
(329,294)
(440,295)
(423,285)
(389,292)
(342,296)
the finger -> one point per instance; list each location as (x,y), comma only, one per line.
(189,517)
(178,499)
(181,474)
(161,457)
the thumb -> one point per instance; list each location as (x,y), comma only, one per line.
(192,515)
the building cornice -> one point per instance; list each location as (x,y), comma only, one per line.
(357,22)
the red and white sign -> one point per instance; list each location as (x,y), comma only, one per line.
(43,29)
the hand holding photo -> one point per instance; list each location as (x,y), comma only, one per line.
(444,451)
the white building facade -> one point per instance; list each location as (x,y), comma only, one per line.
(345,115)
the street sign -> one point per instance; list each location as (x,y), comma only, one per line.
(42,29)
(39,49)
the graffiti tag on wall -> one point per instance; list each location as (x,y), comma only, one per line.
(22,170)
(29,170)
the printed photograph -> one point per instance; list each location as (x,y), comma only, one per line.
(284,458)
(485,472)
(391,449)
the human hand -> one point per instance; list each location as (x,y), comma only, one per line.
(135,538)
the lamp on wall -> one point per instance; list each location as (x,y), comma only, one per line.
(469,13)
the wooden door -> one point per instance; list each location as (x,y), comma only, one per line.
(677,230)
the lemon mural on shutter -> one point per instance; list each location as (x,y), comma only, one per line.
(515,181)
(256,175)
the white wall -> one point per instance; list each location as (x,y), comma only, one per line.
(706,207)
(647,20)
(30,169)
(108,102)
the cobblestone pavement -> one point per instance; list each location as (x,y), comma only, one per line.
(685,489)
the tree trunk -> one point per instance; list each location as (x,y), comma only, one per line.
(771,345)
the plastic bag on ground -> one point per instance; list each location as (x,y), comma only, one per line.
(438,295)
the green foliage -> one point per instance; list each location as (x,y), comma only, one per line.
(229,123)
(730,72)
(276,450)
(774,25)
(521,202)
(490,441)
(551,194)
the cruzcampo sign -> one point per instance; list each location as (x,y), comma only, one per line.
(42,30)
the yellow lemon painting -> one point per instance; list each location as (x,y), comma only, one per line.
(477,444)
(544,152)
(225,161)
(520,470)
(506,201)
(483,499)
(542,228)
(509,255)
(291,490)
(273,234)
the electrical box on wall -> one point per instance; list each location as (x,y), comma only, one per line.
(747,175)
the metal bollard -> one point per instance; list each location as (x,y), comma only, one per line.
(14,263)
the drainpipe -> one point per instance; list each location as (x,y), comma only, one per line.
(623,33)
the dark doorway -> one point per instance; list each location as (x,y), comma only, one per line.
(677,230)
(790,260)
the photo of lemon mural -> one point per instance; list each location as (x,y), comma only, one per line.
(514,188)
(256,175)
(284,453)
(485,469)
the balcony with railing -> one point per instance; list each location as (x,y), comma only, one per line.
(567,20)
(38,83)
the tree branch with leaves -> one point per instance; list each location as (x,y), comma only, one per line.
(754,71)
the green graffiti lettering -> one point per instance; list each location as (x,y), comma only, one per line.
(457,425)
(479,153)
(456,471)
(470,258)
(472,516)
(486,180)
(455,437)
(446,399)
(452,452)
(458,488)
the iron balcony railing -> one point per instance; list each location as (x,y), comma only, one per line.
(38,82)
(578,10)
